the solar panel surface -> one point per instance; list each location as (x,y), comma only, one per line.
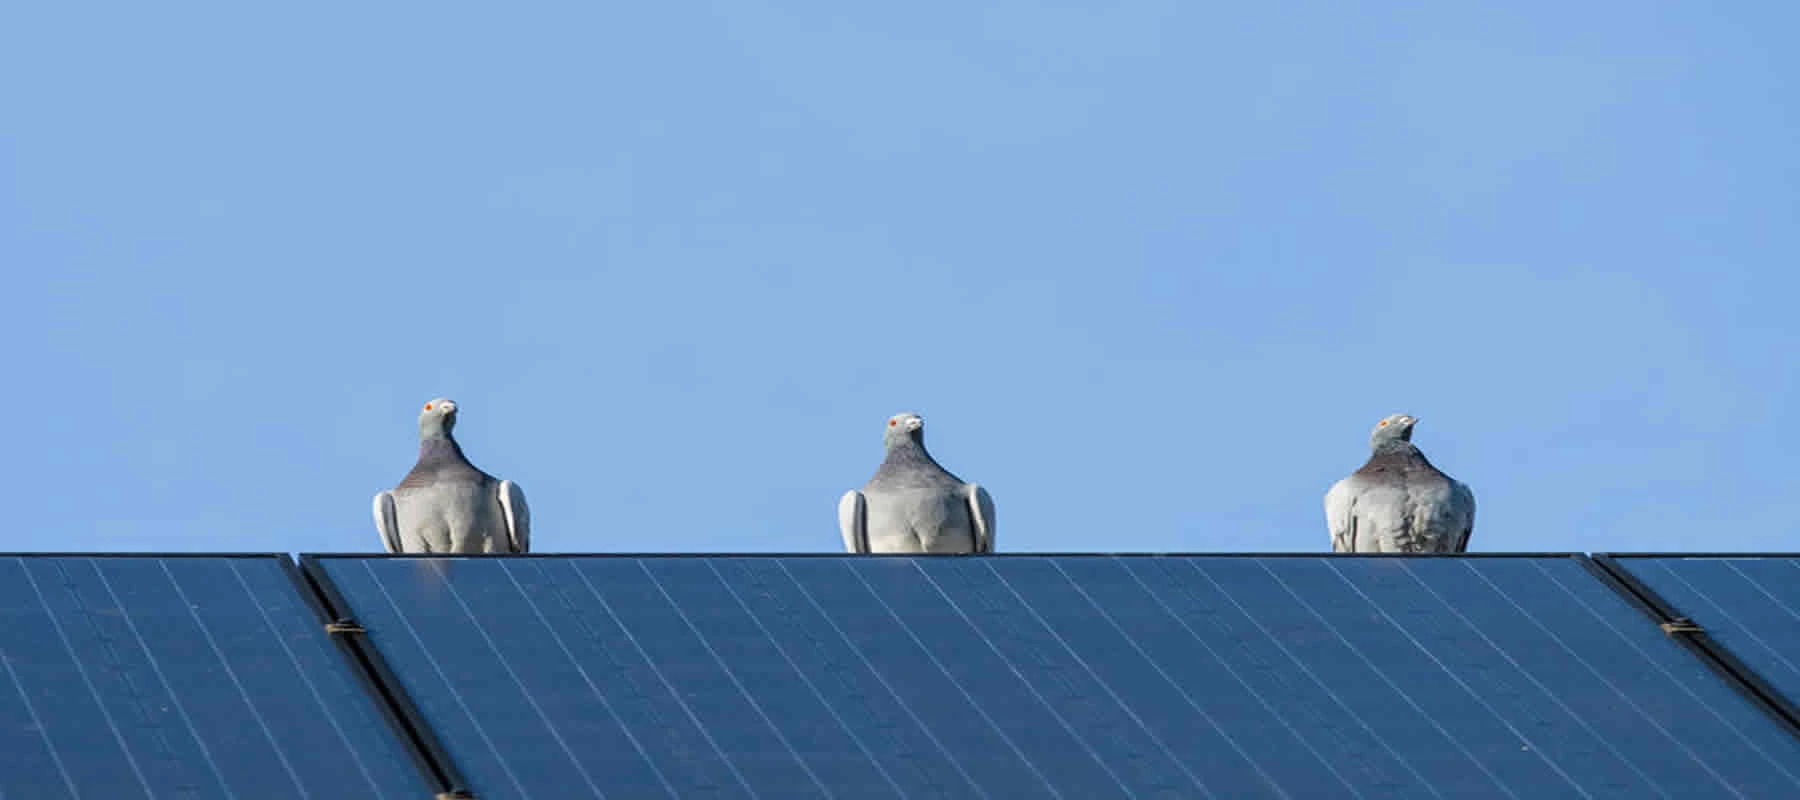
(189,677)
(1750,605)
(1054,676)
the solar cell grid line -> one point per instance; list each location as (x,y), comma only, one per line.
(528,578)
(864,703)
(1454,672)
(684,752)
(744,645)
(772,768)
(214,690)
(39,651)
(25,755)
(543,689)
(1201,675)
(1579,688)
(1073,676)
(377,615)
(1688,732)
(1374,669)
(871,627)
(1747,606)
(680,747)
(1754,763)
(1059,639)
(1433,757)
(1138,686)
(1133,756)
(663,727)
(1014,706)
(467,691)
(196,676)
(1342,739)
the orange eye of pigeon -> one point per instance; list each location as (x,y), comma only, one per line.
(428,408)
(893,422)
(1382,425)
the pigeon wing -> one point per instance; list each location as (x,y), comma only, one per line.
(387,522)
(1340,515)
(853,521)
(1462,504)
(517,515)
(981,513)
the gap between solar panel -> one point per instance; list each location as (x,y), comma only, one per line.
(381,681)
(1720,659)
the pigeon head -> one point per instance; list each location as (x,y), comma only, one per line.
(437,419)
(1396,428)
(904,427)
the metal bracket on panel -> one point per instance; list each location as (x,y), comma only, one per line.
(456,794)
(1681,625)
(343,626)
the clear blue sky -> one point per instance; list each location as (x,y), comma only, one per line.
(1150,270)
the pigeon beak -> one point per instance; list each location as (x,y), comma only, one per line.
(914,424)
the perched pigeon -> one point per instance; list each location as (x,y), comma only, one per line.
(446,505)
(1398,502)
(912,505)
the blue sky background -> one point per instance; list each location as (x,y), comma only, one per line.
(1150,270)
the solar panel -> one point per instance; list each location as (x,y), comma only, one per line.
(1749,605)
(1053,676)
(191,677)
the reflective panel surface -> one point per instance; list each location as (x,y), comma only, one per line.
(189,677)
(1055,676)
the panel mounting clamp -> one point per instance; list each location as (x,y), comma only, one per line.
(1681,625)
(345,626)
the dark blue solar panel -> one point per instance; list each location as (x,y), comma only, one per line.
(1750,605)
(191,677)
(1055,676)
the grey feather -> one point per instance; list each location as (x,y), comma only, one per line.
(981,509)
(447,505)
(385,522)
(853,522)
(1398,502)
(914,505)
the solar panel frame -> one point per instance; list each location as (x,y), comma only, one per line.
(1617,573)
(313,566)
(382,684)
(302,590)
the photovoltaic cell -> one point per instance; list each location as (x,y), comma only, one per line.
(189,677)
(1054,676)
(1750,605)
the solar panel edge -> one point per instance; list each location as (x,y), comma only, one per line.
(212,649)
(1610,569)
(1023,554)
(1622,555)
(1665,707)
(148,554)
(377,679)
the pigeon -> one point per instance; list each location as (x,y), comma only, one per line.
(912,505)
(445,504)
(1398,502)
